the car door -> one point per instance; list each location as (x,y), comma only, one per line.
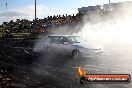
(48,45)
(58,49)
(67,46)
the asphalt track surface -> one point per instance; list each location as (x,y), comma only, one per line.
(51,71)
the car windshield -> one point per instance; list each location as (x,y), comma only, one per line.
(74,39)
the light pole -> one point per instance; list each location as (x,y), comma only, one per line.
(6,6)
(109,5)
(35,9)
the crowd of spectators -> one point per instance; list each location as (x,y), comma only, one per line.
(41,25)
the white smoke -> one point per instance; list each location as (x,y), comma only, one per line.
(114,28)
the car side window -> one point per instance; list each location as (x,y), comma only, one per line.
(56,40)
(49,40)
(62,40)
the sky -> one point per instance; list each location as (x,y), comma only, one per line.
(24,9)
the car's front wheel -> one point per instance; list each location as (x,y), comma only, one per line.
(76,54)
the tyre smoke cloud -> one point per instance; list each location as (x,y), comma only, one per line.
(113,28)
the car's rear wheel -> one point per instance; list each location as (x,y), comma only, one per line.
(76,54)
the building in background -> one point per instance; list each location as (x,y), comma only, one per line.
(112,7)
(90,9)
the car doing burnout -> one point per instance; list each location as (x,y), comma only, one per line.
(70,45)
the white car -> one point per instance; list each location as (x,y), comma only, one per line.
(70,45)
